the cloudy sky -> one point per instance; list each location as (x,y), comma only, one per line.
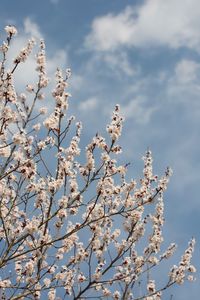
(144,55)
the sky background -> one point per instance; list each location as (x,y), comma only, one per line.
(144,55)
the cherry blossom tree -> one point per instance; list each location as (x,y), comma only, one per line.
(71,225)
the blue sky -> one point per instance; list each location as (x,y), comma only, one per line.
(144,55)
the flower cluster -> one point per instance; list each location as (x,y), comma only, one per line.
(41,68)
(11,30)
(25,52)
(114,129)
(180,273)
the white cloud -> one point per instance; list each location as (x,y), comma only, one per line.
(138,110)
(31,28)
(184,85)
(172,23)
(187,71)
(88,105)
(119,63)
(109,32)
